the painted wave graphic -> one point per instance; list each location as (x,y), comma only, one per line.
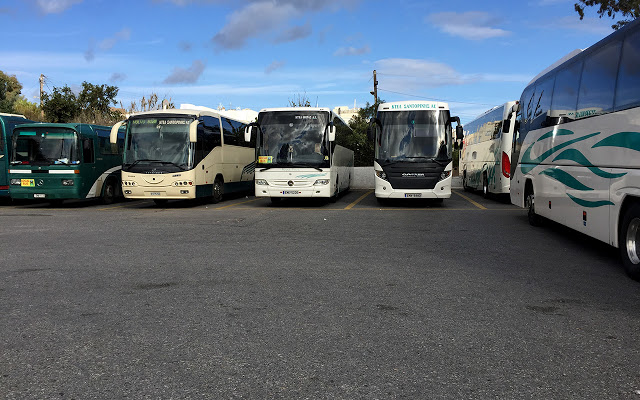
(627,140)
(579,158)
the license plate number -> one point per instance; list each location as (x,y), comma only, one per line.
(155,194)
(27,182)
(39,196)
(290,192)
(413,195)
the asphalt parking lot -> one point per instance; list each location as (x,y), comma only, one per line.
(310,299)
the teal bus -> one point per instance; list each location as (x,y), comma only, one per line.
(7,123)
(55,162)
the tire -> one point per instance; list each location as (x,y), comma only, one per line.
(485,186)
(109,192)
(161,202)
(629,241)
(534,219)
(217,191)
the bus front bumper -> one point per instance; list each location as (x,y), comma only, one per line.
(160,193)
(384,190)
(293,192)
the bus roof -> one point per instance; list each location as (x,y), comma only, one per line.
(413,105)
(184,111)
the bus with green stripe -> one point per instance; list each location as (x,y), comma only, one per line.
(576,152)
(56,162)
(7,123)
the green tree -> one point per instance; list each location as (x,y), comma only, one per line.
(95,103)
(628,8)
(61,105)
(30,110)
(359,142)
(10,90)
(300,101)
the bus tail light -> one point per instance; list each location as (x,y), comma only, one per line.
(506,165)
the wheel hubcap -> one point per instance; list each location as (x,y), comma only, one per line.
(632,240)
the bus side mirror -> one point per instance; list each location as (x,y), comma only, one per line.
(371,132)
(332,133)
(247,133)
(193,131)
(113,137)
(459,132)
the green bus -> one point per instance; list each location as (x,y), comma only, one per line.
(56,162)
(7,123)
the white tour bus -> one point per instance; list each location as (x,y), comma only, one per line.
(297,154)
(185,154)
(485,157)
(576,156)
(413,145)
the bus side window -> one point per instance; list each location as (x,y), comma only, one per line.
(565,94)
(87,150)
(598,81)
(229,137)
(628,90)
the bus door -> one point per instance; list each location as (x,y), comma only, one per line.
(4,160)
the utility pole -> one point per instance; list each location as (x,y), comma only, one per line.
(41,87)
(375,89)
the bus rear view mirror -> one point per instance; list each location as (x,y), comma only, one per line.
(113,137)
(459,132)
(193,131)
(247,133)
(332,133)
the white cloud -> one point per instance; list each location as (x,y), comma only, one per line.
(472,25)
(274,66)
(352,51)
(189,75)
(55,6)
(402,74)
(590,25)
(272,15)
(108,43)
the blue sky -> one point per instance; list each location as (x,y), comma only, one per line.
(263,53)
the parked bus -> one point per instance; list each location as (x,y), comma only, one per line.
(7,123)
(485,158)
(56,162)
(185,154)
(413,146)
(298,155)
(577,152)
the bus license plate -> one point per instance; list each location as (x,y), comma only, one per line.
(27,182)
(413,195)
(155,194)
(290,192)
(39,196)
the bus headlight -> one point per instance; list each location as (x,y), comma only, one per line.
(382,175)
(67,182)
(261,182)
(15,182)
(321,182)
(444,175)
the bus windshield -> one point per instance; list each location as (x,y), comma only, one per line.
(414,136)
(45,146)
(292,138)
(162,143)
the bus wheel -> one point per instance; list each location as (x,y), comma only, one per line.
(464,182)
(217,191)
(629,241)
(108,192)
(485,186)
(534,219)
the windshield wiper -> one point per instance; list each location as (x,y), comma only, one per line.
(305,165)
(141,160)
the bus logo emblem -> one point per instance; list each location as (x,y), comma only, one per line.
(290,183)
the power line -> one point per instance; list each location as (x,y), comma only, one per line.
(434,99)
